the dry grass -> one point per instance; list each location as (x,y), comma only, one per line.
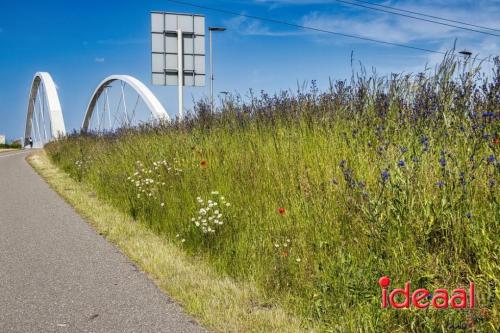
(220,304)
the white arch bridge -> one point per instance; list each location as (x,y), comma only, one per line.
(119,101)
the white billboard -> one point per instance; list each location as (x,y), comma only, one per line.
(169,56)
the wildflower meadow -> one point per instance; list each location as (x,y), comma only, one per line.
(313,196)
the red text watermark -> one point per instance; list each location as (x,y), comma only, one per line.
(421,298)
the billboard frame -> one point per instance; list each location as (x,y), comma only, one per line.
(196,70)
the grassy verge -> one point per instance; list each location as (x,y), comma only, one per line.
(4,150)
(314,196)
(219,303)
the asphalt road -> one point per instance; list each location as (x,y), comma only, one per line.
(58,275)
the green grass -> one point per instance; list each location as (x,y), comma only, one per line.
(380,178)
(5,147)
(219,304)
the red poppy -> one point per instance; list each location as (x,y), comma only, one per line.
(496,140)
(284,254)
(203,164)
(282,211)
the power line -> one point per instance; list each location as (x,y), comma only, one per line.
(225,11)
(304,27)
(417,18)
(427,15)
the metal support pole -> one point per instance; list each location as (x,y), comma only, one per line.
(106,106)
(41,103)
(98,119)
(37,126)
(211,75)
(125,106)
(180,72)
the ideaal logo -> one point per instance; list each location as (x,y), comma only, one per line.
(422,298)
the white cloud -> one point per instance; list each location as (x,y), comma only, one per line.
(334,16)
(99,59)
(402,29)
(252,27)
(397,29)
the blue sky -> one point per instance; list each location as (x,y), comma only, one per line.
(82,42)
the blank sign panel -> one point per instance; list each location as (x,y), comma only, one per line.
(199,25)
(157,24)
(185,23)
(157,62)
(158,79)
(172,79)
(199,64)
(188,44)
(170,44)
(165,28)
(170,22)
(199,80)
(171,62)
(188,63)
(157,43)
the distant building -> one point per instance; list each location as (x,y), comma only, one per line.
(2,139)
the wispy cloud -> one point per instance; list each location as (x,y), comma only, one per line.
(99,60)
(402,29)
(391,28)
(251,27)
(334,16)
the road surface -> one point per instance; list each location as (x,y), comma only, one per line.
(58,275)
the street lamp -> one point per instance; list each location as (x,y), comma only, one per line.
(219,29)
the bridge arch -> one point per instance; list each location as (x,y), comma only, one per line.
(43,90)
(152,103)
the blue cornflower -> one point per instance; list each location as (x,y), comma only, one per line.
(468,215)
(462,179)
(401,164)
(403,149)
(491,159)
(415,159)
(487,114)
(385,175)
(442,161)
(440,184)
(429,296)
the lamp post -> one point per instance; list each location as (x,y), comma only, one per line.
(211,29)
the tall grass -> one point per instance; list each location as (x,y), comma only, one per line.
(324,192)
